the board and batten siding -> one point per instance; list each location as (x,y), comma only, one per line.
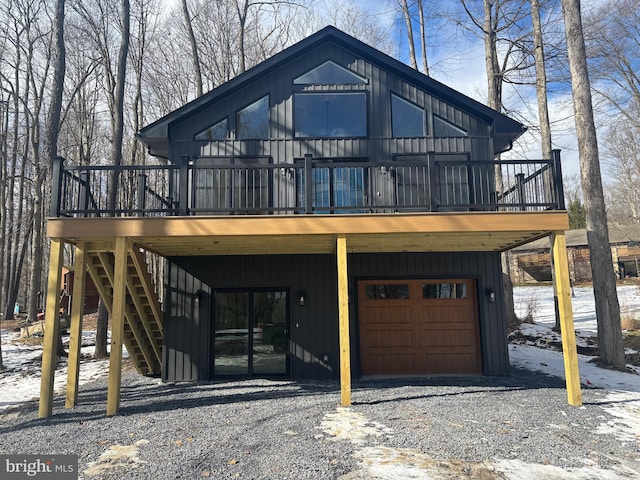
(188,351)
(281,145)
(186,335)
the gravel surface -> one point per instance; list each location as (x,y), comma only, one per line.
(266,429)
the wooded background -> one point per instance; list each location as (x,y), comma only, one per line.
(116,65)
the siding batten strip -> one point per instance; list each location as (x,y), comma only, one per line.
(343,322)
(117,326)
(569,350)
(75,337)
(51,328)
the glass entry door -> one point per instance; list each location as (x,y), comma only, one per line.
(251,333)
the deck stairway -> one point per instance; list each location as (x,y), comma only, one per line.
(143,315)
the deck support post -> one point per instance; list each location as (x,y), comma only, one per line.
(563,287)
(75,334)
(51,327)
(343,322)
(117,326)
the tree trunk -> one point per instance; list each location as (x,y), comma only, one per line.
(423,39)
(116,147)
(543,117)
(102,324)
(194,48)
(610,340)
(407,19)
(52,128)
(494,100)
(242,19)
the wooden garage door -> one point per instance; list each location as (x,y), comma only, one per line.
(419,327)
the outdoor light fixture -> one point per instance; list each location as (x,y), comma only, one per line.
(491,294)
(198,296)
(302,297)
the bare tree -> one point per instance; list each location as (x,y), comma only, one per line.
(497,19)
(105,23)
(606,299)
(52,127)
(352,18)
(404,6)
(406,10)
(614,55)
(194,47)
(622,160)
(541,81)
(423,38)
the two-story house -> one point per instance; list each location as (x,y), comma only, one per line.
(330,212)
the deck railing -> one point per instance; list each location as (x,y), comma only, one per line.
(254,185)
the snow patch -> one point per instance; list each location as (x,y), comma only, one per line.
(346,424)
(117,456)
(624,407)
(519,470)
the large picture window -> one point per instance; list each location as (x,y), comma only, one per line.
(407,118)
(330,115)
(252,122)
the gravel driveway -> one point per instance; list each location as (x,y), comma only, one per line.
(480,427)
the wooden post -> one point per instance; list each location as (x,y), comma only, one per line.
(343,322)
(569,351)
(117,326)
(75,337)
(51,327)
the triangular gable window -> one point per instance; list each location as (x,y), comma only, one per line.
(329,73)
(443,128)
(217,131)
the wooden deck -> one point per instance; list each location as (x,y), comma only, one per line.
(278,234)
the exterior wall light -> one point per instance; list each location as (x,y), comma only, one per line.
(491,294)
(302,297)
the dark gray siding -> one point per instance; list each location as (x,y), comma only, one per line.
(283,148)
(314,327)
(186,347)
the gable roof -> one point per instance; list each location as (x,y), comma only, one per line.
(156,135)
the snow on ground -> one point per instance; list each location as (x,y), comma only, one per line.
(20,382)
(539,299)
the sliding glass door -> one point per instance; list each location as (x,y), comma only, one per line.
(251,332)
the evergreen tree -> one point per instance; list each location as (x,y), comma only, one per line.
(577,214)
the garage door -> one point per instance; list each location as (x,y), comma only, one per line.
(419,327)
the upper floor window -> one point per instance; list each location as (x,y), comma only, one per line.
(330,115)
(444,128)
(329,73)
(407,118)
(252,122)
(217,131)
